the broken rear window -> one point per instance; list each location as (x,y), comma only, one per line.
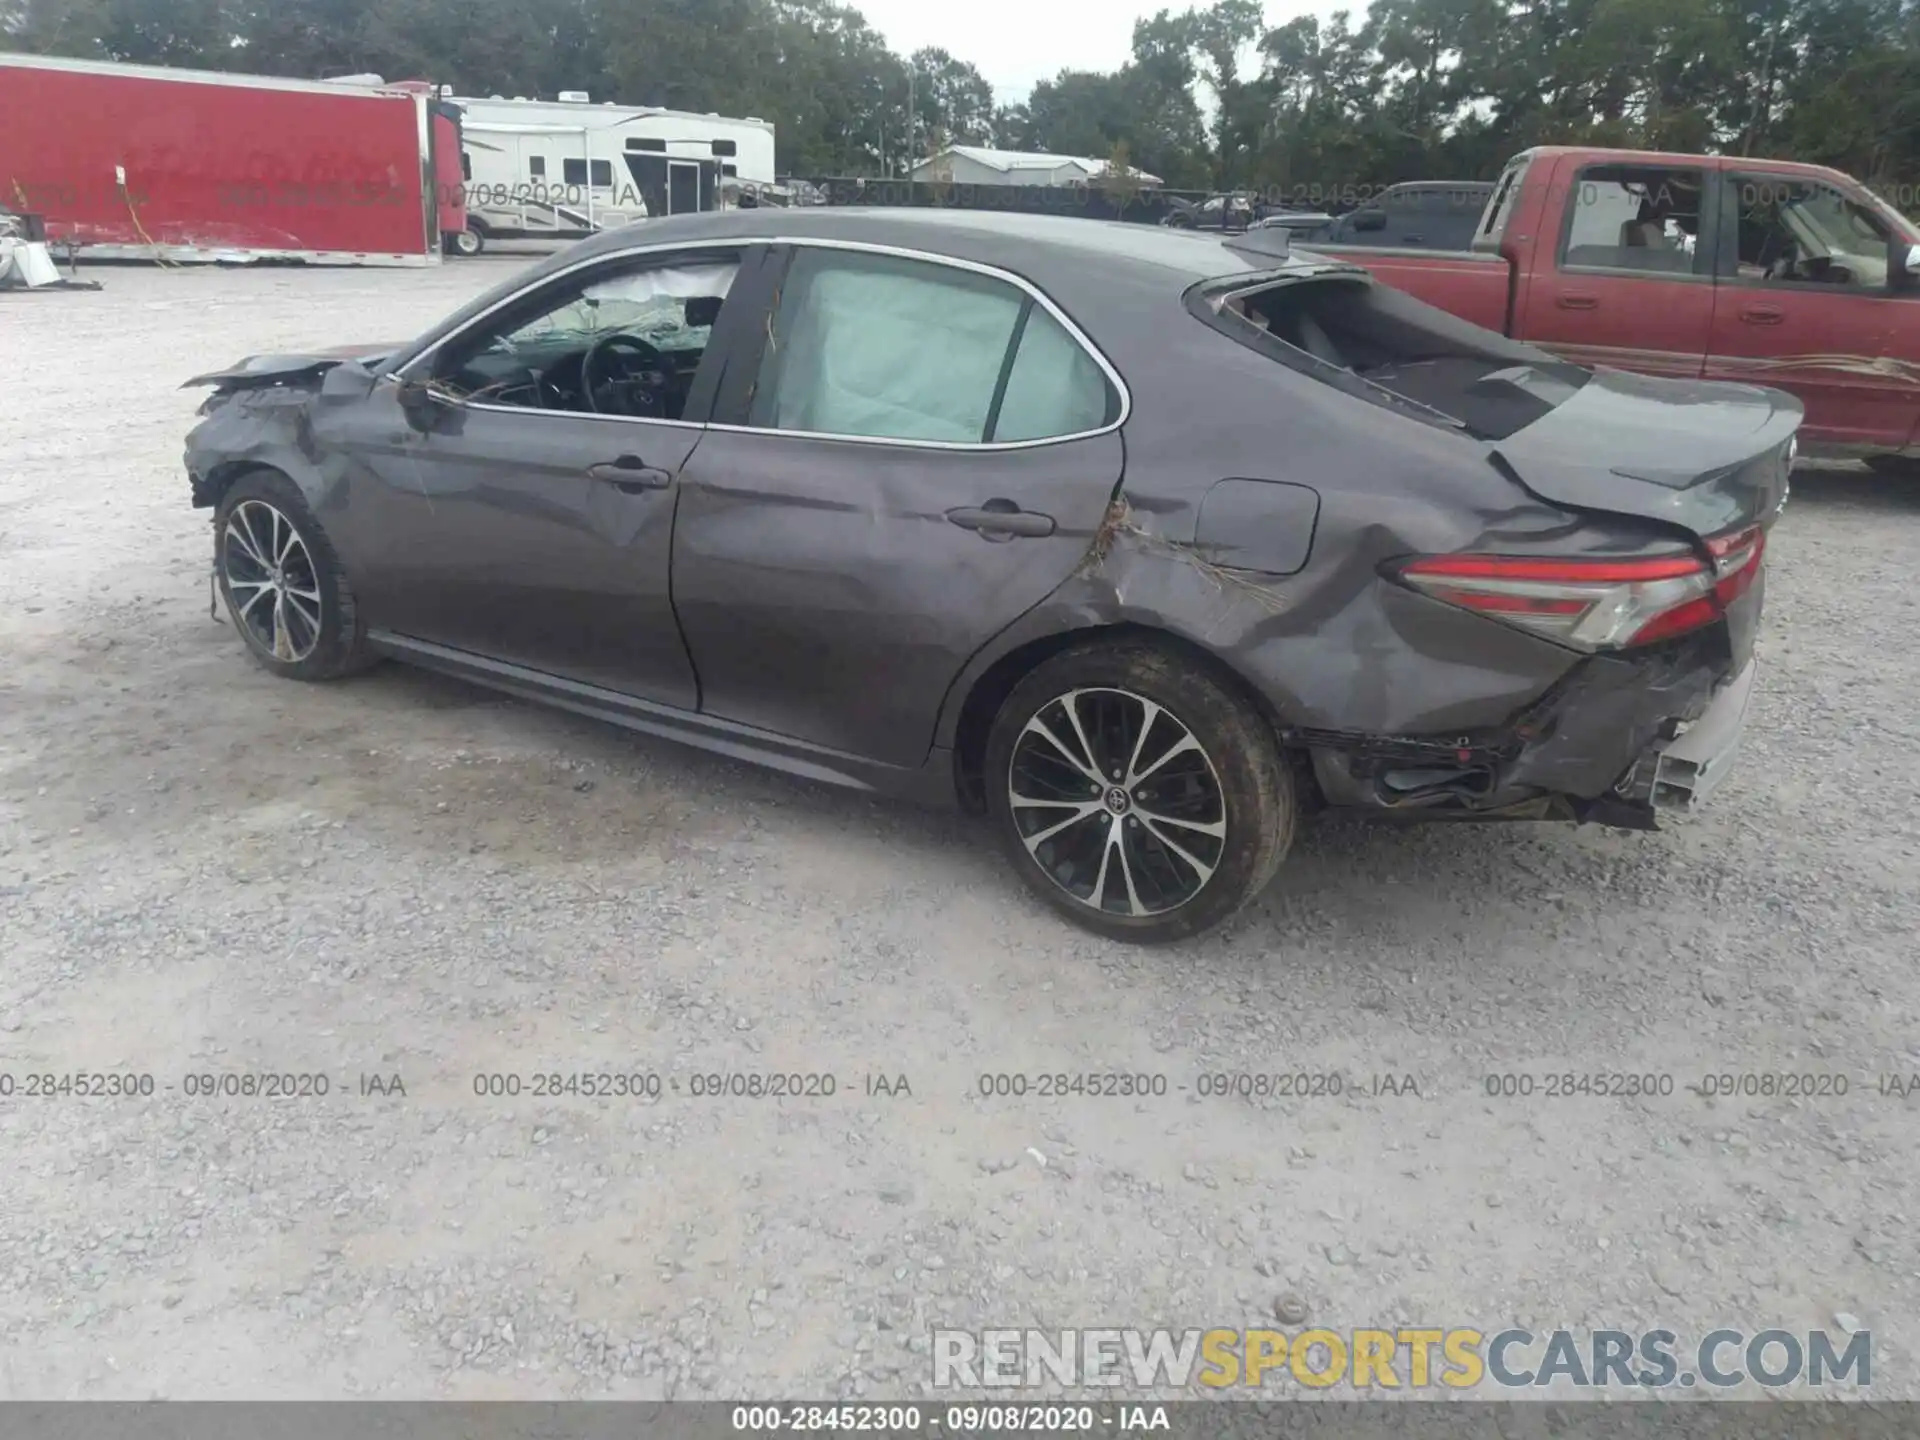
(1387,347)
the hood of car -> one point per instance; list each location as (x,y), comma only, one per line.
(274,368)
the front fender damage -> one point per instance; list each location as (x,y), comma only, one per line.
(261,413)
(246,427)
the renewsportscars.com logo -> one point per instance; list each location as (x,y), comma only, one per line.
(1400,1358)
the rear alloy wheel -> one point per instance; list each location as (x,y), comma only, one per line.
(282,582)
(1141,797)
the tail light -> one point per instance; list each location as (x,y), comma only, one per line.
(1597,604)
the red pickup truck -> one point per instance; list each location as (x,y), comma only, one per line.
(1721,267)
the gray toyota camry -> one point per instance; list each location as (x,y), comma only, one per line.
(1145,544)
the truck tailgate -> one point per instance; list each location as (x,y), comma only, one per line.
(1474,287)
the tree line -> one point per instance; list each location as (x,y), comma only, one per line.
(1434,89)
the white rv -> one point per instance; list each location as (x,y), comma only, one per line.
(568,167)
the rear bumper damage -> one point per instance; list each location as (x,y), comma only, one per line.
(1615,743)
(1688,771)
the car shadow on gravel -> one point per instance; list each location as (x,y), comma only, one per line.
(1332,856)
(590,744)
(1354,857)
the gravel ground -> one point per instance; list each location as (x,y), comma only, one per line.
(205,870)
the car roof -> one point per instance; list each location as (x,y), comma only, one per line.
(1654,158)
(1044,248)
(1109,276)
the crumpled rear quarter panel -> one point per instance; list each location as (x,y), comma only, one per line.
(1332,646)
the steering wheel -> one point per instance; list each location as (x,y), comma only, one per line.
(622,374)
(529,387)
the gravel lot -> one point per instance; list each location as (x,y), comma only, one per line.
(204,870)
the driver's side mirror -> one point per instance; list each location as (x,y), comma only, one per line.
(422,404)
(1369,220)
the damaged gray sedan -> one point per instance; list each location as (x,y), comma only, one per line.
(1145,544)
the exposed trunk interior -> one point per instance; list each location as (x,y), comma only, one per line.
(1343,324)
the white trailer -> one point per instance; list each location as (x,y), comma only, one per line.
(569,167)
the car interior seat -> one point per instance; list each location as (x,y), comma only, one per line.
(1644,235)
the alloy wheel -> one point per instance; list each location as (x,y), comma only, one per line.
(271,582)
(1117,802)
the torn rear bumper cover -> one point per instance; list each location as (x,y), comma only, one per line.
(1686,772)
(1605,746)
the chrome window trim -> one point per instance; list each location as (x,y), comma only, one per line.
(867,247)
(584,415)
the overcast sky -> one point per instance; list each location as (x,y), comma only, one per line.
(1016,42)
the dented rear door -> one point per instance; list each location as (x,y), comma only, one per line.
(841,549)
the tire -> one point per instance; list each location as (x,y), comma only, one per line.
(251,527)
(1899,467)
(1238,781)
(466,243)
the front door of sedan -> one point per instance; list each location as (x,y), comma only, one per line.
(923,452)
(521,526)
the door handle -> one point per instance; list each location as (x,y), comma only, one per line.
(1578,302)
(630,474)
(1002,520)
(1763,315)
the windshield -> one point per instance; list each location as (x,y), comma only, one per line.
(651,305)
(1844,231)
(1899,223)
(1806,230)
(660,320)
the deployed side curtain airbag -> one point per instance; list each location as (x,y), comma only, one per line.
(868,331)
(1054,388)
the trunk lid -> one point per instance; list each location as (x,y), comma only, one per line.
(1705,457)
